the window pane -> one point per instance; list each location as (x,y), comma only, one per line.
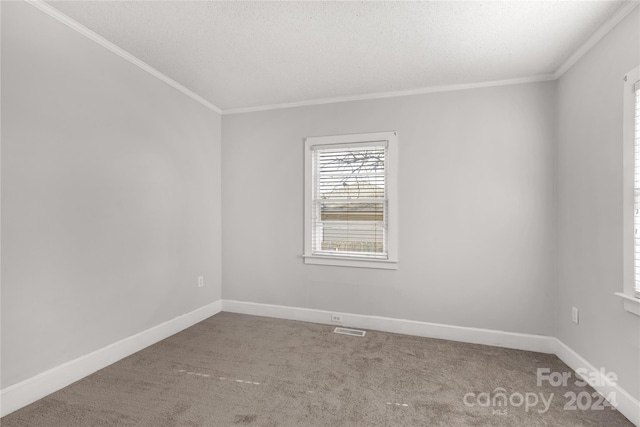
(350,201)
(636,218)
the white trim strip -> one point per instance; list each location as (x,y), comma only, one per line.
(32,389)
(626,403)
(538,343)
(55,13)
(362,145)
(392,94)
(28,391)
(596,37)
(582,50)
(328,255)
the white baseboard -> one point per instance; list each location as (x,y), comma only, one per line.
(28,391)
(626,404)
(529,342)
(19,395)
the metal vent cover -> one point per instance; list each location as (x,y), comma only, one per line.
(347,331)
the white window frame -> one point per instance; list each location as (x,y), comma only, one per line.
(391,185)
(630,301)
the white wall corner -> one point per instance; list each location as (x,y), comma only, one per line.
(28,391)
(596,37)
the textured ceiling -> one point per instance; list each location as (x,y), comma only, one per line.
(249,54)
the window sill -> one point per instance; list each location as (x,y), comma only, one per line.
(631,304)
(350,262)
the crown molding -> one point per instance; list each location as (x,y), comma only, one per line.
(629,6)
(624,10)
(55,13)
(596,37)
(392,94)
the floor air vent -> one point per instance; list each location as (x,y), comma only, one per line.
(346,331)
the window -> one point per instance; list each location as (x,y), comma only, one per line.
(631,198)
(636,188)
(350,200)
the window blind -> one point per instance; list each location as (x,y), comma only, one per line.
(636,187)
(349,197)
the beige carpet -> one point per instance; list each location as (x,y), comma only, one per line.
(243,370)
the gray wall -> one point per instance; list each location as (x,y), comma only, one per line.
(477,211)
(590,206)
(110,197)
(111,203)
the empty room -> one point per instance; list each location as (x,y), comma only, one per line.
(320,213)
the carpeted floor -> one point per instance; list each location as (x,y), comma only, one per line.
(234,369)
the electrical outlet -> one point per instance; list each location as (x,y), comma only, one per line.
(574,315)
(336,318)
(200,281)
